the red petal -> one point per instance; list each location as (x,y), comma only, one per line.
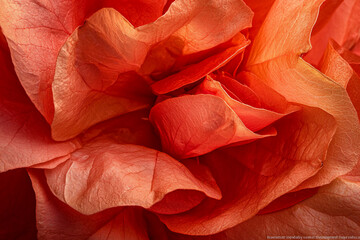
(36,30)
(333,211)
(197,71)
(253,175)
(17,218)
(288,200)
(342,25)
(139,176)
(253,118)
(128,224)
(24,135)
(193,125)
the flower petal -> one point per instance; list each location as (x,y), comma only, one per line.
(17,209)
(56,220)
(104,174)
(128,224)
(193,125)
(24,135)
(36,30)
(197,71)
(342,25)
(86,70)
(253,118)
(286,30)
(303,84)
(253,175)
(279,66)
(333,211)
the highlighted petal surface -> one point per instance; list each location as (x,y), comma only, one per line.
(104,174)
(25,138)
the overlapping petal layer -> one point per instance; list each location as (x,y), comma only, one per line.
(333,211)
(96,57)
(296,80)
(104,174)
(36,30)
(24,135)
(210,124)
(252,175)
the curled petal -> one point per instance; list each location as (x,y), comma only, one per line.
(193,125)
(304,84)
(286,30)
(333,211)
(253,118)
(253,175)
(104,174)
(36,31)
(25,138)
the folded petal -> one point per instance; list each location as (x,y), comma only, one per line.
(253,175)
(286,30)
(128,224)
(301,83)
(279,66)
(342,25)
(17,209)
(193,125)
(96,56)
(36,30)
(333,211)
(25,137)
(197,71)
(253,118)
(56,220)
(104,174)
(343,67)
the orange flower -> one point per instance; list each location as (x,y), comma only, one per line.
(179,119)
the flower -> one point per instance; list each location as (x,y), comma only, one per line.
(179,119)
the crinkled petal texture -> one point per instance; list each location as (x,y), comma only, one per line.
(338,20)
(251,176)
(36,30)
(103,175)
(17,209)
(104,68)
(333,211)
(24,135)
(299,82)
